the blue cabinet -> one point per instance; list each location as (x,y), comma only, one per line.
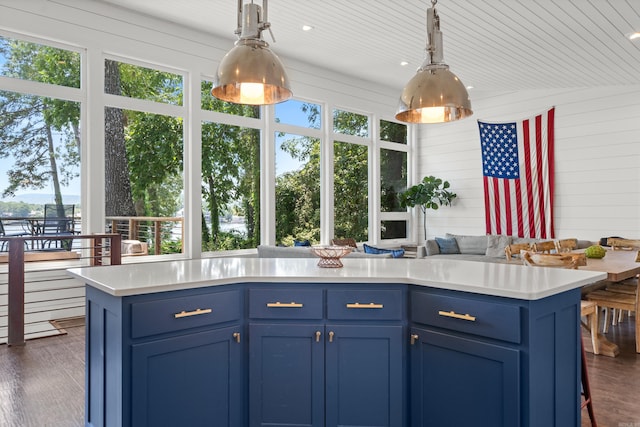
(193,379)
(331,355)
(463,382)
(165,359)
(494,362)
(311,369)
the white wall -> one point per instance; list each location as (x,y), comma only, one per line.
(597,149)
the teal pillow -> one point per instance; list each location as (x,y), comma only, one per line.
(395,253)
(301,243)
(447,246)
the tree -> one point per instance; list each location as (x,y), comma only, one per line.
(431,193)
(40,134)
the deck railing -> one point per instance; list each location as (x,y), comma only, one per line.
(90,249)
(152,229)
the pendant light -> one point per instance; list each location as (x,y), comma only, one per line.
(434,94)
(251,73)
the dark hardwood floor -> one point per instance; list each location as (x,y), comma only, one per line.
(42,383)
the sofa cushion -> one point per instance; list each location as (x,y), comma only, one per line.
(301,243)
(496,245)
(447,245)
(471,244)
(431,247)
(395,253)
(269,251)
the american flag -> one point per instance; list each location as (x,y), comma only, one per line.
(517,168)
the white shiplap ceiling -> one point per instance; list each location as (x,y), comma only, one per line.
(489,44)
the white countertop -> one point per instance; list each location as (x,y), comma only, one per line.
(513,281)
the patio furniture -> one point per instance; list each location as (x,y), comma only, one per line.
(58,220)
(3,233)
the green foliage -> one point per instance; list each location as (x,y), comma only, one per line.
(430,193)
(41,134)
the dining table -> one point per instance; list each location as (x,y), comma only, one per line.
(620,264)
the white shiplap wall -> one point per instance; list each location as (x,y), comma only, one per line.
(597,149)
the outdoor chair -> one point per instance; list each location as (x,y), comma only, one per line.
(58,221)
(4,244)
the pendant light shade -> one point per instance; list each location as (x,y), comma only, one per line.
(251,73)
(434,94)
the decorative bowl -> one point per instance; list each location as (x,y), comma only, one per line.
(330,255)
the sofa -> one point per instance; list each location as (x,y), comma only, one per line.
(487,248)
(270,251)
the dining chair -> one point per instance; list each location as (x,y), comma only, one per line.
(618,243)
(514,249)
(566,245)
(544,247)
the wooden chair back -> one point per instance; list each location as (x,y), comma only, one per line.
(566,245)
(515,248)
(544,247)
(617,243)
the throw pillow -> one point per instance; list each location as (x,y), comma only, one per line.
(447,246)
(497,244)
(475,245)
(432,247)
(395,253)
(301,243)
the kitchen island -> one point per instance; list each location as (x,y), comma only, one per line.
(385,342)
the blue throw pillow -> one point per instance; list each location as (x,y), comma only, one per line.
(301,243)
(395,253)
(447,246)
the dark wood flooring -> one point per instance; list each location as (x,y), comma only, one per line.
(42,383)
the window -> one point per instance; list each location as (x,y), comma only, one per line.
(39,63)
(138,82)
(41,138)
(230,187)
(297,188)
(393,179)
(144,156)
(350,191)
(299,113)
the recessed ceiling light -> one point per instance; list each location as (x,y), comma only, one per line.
(307,28)
(404,63)
(634,36)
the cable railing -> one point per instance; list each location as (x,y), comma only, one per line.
(47,290)
(158,234)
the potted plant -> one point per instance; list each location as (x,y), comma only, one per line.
(430,193)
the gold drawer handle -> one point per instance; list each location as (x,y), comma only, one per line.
(370,305)
(192,313)
(279,304)
(457,316)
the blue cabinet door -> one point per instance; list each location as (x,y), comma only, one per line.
(364,376)
(458,381)
(286,375)
(194,379)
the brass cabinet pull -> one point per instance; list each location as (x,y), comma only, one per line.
(457,316)
(236,336)
(195,312)
(414,338)
(318,334)
(331,334)
(370,305)
(279,304)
